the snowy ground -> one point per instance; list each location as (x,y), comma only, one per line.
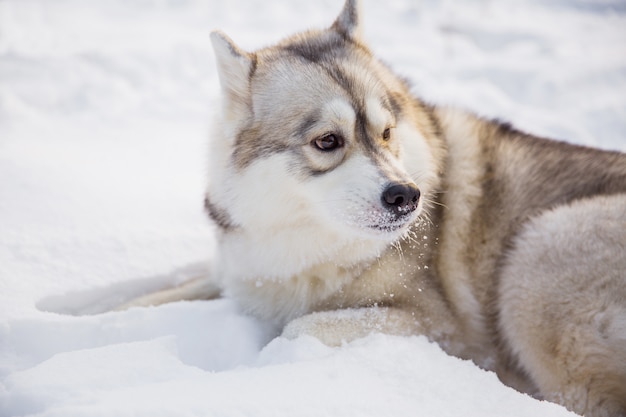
(104,115)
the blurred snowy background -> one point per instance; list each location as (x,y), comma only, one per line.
(105,111)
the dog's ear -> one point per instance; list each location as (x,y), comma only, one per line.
(234,67)
(348,21)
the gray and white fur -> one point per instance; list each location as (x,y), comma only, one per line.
(346,205)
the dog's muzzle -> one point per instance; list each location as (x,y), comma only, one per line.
(400,199)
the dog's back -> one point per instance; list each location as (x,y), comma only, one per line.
(532,256)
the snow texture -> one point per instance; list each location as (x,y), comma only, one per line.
(105,111)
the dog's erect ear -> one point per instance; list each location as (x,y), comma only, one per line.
(348,21)
(234,67)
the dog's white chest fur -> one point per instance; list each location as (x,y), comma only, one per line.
(281,299)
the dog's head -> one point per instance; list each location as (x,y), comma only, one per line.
(320,146)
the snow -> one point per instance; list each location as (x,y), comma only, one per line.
(105,111)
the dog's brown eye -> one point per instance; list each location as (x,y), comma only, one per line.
(328,142)
(387,134)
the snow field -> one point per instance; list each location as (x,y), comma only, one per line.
(105,112)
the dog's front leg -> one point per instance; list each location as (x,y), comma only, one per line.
(339,326)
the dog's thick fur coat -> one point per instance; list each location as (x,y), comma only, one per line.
(346,205)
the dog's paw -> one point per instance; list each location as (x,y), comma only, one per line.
(336,327)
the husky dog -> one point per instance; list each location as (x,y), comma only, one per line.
(346,205)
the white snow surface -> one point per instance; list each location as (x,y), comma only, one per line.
(105,112)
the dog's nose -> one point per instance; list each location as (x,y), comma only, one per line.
(401,198)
